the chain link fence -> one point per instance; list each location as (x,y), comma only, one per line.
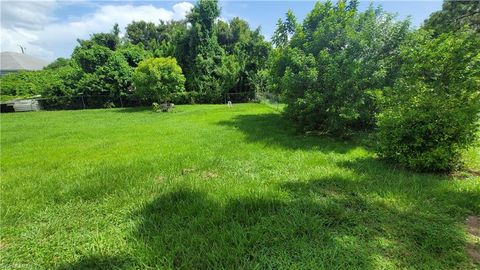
(240,97)
(270,99)
(90,102)
(107,101)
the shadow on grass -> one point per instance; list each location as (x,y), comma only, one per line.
(381,217)
(410,236)
(133,109)
(188,230)
(328,223)
(421,189)
(99,262)
(273,130)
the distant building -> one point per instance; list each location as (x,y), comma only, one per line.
(13,62)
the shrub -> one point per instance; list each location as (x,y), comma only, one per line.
(49,82)
(431,113)
(334,62)
(158,78)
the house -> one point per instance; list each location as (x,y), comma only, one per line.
(13,62)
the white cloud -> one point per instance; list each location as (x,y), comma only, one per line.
(26,15)
(181,10)
(47,38)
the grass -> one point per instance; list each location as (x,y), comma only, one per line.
(212,187)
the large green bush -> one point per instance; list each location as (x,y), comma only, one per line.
(105,72)
(334,63)
(432,112)
(158,79)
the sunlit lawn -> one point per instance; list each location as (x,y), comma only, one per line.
(207,186)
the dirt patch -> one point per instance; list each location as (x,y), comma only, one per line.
(468,173)
(473,225)
(473,228)
(187,170)
(209,175)
(159,179)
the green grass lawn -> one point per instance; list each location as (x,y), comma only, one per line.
(207,186)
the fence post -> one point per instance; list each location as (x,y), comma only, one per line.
(83,102)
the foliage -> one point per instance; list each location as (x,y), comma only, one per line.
(431,114)
(249,50)
(206,65)
(23,83)
(158,78)
(90,56)
(220,57)
(106,67)
(141,32)
(453,16)
(60,81)
(63,82)
(284,30)
(159,39)
(355,54)
(111,78)
(280,36)
(110,40)
(58,63)
(134,54)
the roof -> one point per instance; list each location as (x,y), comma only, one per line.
(17,61)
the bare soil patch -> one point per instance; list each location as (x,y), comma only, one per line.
(473,228)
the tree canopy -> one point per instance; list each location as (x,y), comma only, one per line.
(453,16)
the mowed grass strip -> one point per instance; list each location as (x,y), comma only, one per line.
(210,187)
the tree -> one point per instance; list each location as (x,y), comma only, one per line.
(158,79)
(290,23)
(432,112)
(159,39)
(224,35)
(59,62)
(141,32)
(89,55)
(133,54)
(453,16)
(110,40)
(356,55)
(105,72)
(280,36)
(205,72)
(249,50)
(203,18)
(284,30)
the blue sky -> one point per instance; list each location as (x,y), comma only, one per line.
(49,29)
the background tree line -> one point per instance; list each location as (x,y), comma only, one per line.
(216,57)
